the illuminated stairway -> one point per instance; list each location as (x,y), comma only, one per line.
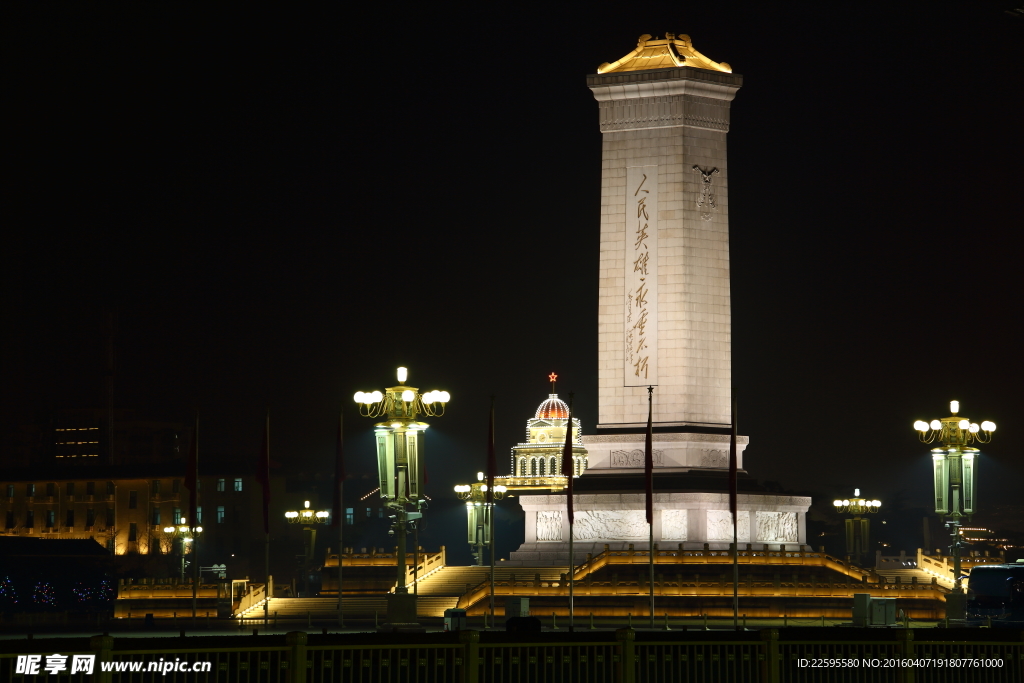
(905,576)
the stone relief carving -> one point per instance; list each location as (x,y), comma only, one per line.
(674,525)
(664,111)
(777,527)
(635,458)
(713,458)
(549,525)
(610,525)
(720,526)
(706,196)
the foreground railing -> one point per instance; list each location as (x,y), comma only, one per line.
(623,656)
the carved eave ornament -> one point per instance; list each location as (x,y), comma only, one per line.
(672,51)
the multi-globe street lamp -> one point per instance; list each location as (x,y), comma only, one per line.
(183,535)
(858,527)
(400,465)
(478,513)
(309,519)
(954,468)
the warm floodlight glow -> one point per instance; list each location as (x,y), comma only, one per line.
(837,503)
(921,426)
(199,530)
(963,424)
(463,488)
(168,529)
(408,396)
(322,513)
(954,407)
(444,396)
(936,425)
(846,501)
(479,476)
(403,374)
(358,397)
(307,513)
(877,503)
(500,489)
(291,514)
(183,529)
(988,426)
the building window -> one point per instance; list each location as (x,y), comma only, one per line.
(380,513)
(110,518)
(369,512)
(50,519)
(350,516)
(199,515)
(30,490)
(111,489)
(220,484)
(238,483)
(30,519)
(552,467)
(156,517)
(10,519)
(69,489)
(177,515)
(133,532)
(90,488)
(176,486)
(50,489)
(10,490)
(90,517)
(156,487)
(69,519)
(133,500)
(220,514)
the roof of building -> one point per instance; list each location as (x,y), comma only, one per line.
(671,51)
(553,407)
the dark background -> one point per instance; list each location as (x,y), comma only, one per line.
(283,207)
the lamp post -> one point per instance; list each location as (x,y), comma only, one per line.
(953,474)
(858,528)
(478,513)
(181,533)
(400,465)
(309,519)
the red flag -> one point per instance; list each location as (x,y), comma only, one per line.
(192,476)
(263,474)
(492,461)
(649,457)
(339,476)
(567,465)
(732,466)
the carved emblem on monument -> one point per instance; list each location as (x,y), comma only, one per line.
(635,458)
(706,196)
(713,458)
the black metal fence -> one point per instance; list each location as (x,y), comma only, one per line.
(625,656)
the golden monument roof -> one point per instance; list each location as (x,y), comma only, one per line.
(670,51)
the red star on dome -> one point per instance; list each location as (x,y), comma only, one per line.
(552,377)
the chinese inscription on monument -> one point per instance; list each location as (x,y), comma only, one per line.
(641,270)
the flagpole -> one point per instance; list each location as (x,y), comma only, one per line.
(266,528)
(567,470)
(195,522)
(339,517)
(649,476)
(491,472)
(732,504)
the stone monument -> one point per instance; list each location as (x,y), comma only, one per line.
(664,320)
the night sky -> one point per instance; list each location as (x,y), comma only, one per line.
(282,208)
